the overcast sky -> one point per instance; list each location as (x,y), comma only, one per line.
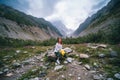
(71,12)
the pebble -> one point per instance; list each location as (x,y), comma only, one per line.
(58,67)
(110,79)
(79,78)
(117,75)
(87,66)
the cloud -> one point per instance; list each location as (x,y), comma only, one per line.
(74,12)
(71,12)
(41,8)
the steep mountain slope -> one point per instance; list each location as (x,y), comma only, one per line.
(15,24)
(62,28)
(102,20)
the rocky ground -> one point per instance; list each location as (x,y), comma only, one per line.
(83,62)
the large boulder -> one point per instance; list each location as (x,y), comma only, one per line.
(68,50)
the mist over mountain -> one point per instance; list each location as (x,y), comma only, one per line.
(15,24)
(62,28)
(108,16)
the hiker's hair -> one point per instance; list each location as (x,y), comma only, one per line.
(59,40)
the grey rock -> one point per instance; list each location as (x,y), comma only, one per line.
(58,67)
(65,62)
(110,79)
(26,62)
(18,51)
(68,50)
(79,78)
(117,75)
(84,56)
(69,59)
(34,78)
(113,54)
(6,70)
(9,74)
(16,64)
(95,65)
(97,77)
(47,79)
(87,66)
(1,72)
(101,55)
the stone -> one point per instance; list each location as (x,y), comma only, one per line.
(47,79)
(33,47)
(87,66)
(69,59)
(70,75)
(79,78)
(62,76)
(58,67)
(34,78)
(18,51)
(110,79)
(9,74)
(79,63)
(26,62)
(65,62)
(1,72)
(102,46)
(113,54)
(25,52)
(42,60)
(117,75)
(6,70)
(101,55)
(95,65)
(97,77)
(16,65)
(84,56)
(68,50)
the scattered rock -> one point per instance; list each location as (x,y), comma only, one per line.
(79,63)
(6,70)
(117,75)
(97,77)
(33,47)
(34,78)
(58,67)
(84,56)
(69,59)
(95,65)
(42,60)
(70,75)
(25,52)
(87,66)
(68,50)
(15,65)
(113,54)
(9,74)
(62,76)
(26,62)
(102,46)
(18,51)
(101,55)
(65,62)
(47,79)
(79,78)
(110,79)
(1,72)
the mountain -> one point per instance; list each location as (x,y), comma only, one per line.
(15,24)
(108,16)
(62,28)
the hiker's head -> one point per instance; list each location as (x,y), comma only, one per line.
(60,40)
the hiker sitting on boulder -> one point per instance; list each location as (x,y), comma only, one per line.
(59,52)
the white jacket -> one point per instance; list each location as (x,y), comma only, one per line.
(57,47)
